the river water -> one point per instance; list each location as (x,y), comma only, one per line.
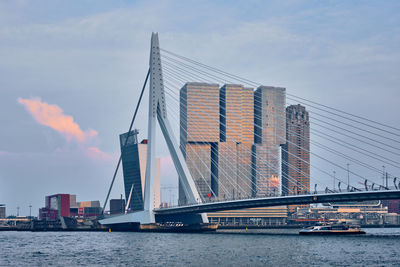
(379,247)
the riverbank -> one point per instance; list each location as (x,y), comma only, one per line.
(220,227)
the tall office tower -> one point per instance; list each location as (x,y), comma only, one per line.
(199,131)
(270,133)
(236,138)
(134,158)
(295,153)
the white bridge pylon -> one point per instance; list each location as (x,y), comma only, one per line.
(157,109)
(158,112)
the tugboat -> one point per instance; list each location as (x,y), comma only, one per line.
(332,229)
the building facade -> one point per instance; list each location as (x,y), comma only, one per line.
(55,206)
(216,135)
(131,170)
(250,217)
(393,205)
(269,135)
(236,139)
(199,132)
(231,137)
(296,152)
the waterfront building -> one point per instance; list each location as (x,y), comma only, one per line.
(199,134)
(2,211)
(270,133)
(131,170)
(72,201)
(216,135)
(55,206)
(393,205)
(231,137)
(134,158)
(85,209)
(236,138)
(247,217)
(365,212)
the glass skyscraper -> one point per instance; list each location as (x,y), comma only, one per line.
(131,170)
(134,158)
(270,133)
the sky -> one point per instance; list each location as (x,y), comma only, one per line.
(71,73)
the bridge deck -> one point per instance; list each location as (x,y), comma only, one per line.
(278,201)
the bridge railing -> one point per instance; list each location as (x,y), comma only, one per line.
(326,191)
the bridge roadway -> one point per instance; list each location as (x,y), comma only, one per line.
(279,201)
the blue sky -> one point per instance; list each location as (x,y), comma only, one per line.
(90,57)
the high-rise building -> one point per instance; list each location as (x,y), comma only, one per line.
(199,132)
(296,152)
(199,113)
(131,169)
(236,138)
(134,159)
(217,131)
(231,139)
(236,114)
(269,134)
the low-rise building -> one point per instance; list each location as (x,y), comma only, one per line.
(55,206)
(365,212)
(393,205)
(2,211)
(254,216)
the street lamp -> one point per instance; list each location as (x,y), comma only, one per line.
(334,180)
(348,174)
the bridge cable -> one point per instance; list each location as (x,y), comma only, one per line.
(362,177)
(126,141)
(258,84)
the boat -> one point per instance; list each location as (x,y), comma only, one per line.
(332,229)
(178,227)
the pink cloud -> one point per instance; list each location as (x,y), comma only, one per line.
(2,153)
(96,154)
(53,117)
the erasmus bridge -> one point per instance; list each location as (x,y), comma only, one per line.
(367,144)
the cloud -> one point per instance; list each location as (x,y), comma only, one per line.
(53,117)
(2,153)
(96,154)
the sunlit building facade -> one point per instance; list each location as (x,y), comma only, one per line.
(236,139)
(231,137)
(199,132)
(216,134)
